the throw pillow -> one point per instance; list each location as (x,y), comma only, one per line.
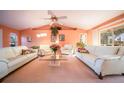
(83,50)
(26,51)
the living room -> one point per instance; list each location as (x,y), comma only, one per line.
(52,44)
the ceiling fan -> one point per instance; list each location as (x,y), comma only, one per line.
(54,22)
(54,19)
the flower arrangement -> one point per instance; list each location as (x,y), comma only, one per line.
(54,47)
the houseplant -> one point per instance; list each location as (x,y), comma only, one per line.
(35,47)
(80,45)
(54,30)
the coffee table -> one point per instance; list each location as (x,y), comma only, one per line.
(53,60)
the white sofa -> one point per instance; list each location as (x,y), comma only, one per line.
(67,49)
(11,59)
(104,60)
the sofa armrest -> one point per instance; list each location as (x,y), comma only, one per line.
(99,59)
(122,58)
(3,68)
(99,62)
(4,60)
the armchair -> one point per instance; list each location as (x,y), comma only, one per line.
(45,49)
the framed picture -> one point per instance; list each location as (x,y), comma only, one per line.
(53,38)
(29,39)
(61,37)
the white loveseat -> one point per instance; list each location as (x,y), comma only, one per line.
(104,60)
(11,59)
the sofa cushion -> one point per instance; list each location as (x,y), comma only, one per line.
(91,49)
(110,57)
(121,51)
(83,50)
(27,51)
(89,58)
(18,50)
(31,55)
(16,60)
(6,53)
(105,50)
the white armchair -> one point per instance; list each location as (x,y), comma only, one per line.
(67,49)
(46,49)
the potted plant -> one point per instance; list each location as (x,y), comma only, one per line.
(54,30)
(80,45)
(35,47)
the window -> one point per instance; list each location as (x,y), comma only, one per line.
(13,40)
(112,37)
(106,38)
(119,37)
(83,38)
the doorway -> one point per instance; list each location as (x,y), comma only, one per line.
(83,38)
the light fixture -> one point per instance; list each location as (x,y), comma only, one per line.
(38,35)
(41,35)
(57,42)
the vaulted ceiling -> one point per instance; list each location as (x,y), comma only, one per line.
(84,19)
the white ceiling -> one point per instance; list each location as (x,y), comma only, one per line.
(85,19)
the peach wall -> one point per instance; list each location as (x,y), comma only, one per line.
(6,32)
(89,38)
(71,37)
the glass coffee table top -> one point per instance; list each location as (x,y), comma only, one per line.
(54,60)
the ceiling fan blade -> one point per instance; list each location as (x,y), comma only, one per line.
(51,13)
(62,17)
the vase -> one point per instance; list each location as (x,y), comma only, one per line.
(54,53)
(54,56)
